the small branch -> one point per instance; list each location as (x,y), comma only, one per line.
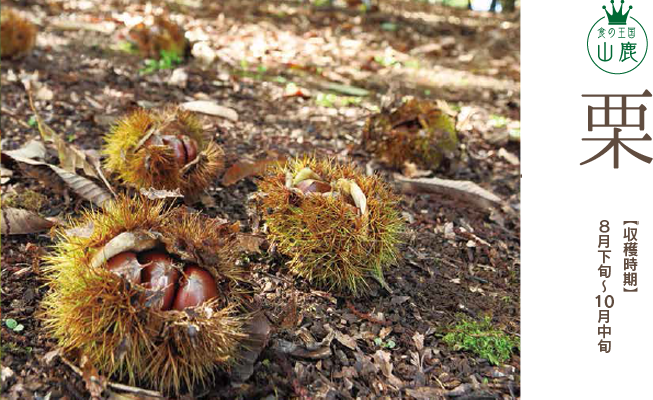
(365,316)
(114,385)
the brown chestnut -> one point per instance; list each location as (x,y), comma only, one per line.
(190,146)
(195,287)
(312,186)
(126,265)
(160,274)
(172,142)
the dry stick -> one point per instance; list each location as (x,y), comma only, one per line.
(367,317)
(6,112)
(117,386)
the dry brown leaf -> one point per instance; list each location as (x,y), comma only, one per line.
(71,158)
(126,241)
(95,383)
(418,339)
(426,393)
(382,361)
(245,169)
(156,194)
(84,187)
(211,108)
(249,243)
(16,221)
(5,175)
(33,149)
(346,340)
(258,330)
(466,190)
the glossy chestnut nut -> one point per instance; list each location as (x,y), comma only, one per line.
(313,186)
(159,273)
(183,147)
(196,287)
(190,146)
(126,265)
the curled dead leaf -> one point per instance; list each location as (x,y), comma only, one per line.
(16,221)
(210,108)
(126,241)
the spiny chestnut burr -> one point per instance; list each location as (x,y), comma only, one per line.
(160,274)
(160,36)
(183,147)
(196,287)
(337,226)
(418,131)
(124,323)
(163,150)
(17,35)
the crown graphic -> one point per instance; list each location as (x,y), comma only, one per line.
(617,18)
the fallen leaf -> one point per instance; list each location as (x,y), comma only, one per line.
(5,175)
(466,190)
(156,194)
(83,187)
(315,351)
(410,170)
(94,383)
(33,149)
(71,158)
(506,155)
(126,241)
(245,169)
(258,330)
(249,243)
(16,221)
(385,331)
(50,355)
(211,108)
(382,361)
(418,339)
(6,374)
(179,78)
(43,93)
(346,340)
(426,393)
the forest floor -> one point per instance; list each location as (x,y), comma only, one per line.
(459,260)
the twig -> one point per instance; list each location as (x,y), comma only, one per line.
(365,316)
(8,113)
(114,385)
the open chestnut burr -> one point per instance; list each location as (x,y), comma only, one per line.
(156,271)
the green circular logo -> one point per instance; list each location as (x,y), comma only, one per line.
(616,73)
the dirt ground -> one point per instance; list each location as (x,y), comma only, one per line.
(458,258)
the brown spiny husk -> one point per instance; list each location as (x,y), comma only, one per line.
(155,166)
(330,241)
(161,35)
(418,131)
(95,313)
(17,35)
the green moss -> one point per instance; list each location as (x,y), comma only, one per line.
(482,339)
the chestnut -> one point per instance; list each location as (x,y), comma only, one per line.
(183,147)
(196,287)
(159,273)
(190,146)
(126,265)
(312,186)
